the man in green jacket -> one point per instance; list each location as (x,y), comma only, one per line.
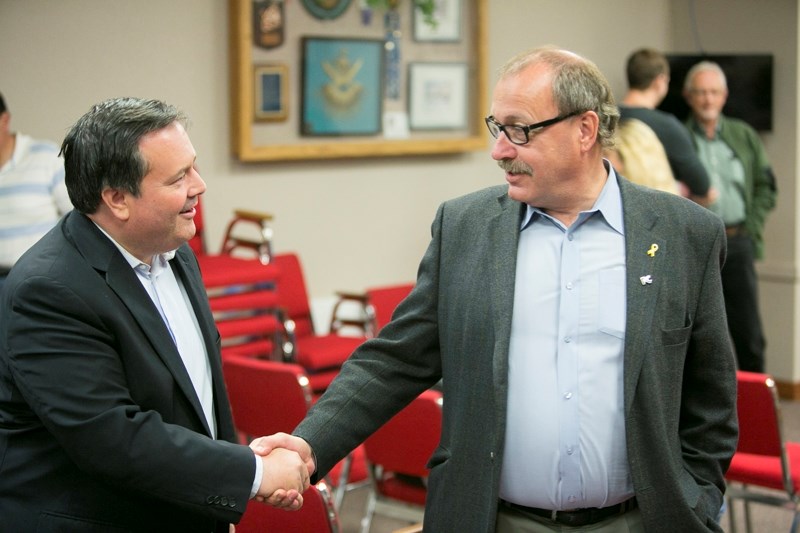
(739,169)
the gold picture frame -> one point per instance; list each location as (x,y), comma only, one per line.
(271,89)
(255,140)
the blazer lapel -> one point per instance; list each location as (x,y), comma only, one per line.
(646,249)
(504,238)
(104,257)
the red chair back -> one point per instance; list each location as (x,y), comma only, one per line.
(292,294)
(316,516)
(405,443)
(759,425)
(384,300)
(253,383)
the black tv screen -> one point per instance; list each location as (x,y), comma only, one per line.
(749,86)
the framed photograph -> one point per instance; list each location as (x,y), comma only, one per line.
(271,90)
(342,86)
(446,15)
(437,96)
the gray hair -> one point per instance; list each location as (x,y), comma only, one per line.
(578,86)
(703,66)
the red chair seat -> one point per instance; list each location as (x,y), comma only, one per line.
(325,351)
(399,489)
(765,471)
(216,270)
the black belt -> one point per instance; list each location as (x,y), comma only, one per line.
(578,517)
(736,231)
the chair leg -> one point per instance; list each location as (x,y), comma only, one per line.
(344,479)
(795,521)
(372,500)
(731,515)
(747,523)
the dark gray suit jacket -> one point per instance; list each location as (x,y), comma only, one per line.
(100,427)
(679,373)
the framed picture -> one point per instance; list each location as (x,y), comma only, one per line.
(271,90)
(342,90)
(446,15)
(437,96)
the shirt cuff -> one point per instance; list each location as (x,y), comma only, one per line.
(257,479)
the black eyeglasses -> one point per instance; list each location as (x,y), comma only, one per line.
(520,135)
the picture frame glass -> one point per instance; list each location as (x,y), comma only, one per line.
(342,88)
(447,18)
(438,96)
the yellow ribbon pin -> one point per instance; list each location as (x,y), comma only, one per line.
(653,249)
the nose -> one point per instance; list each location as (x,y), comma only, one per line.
(198,185)
(503,148)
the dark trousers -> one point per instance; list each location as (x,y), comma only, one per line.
(740,287)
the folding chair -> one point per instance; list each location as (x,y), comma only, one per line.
(268,397)
(241,290)
(762,459)
(377,305)
(317,515)
(320,355)
(397,455)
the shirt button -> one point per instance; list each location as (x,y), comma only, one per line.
(570,237)
(569,286)
(570,450)
(572,499)
(567,395)
(567,339)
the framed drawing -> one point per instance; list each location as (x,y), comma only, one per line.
(437,96)
(271,90)
(341,109)
(342,89)
(447,14)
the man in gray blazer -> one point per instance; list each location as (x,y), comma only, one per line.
(113,411)
(578,325)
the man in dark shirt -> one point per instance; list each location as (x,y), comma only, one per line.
(648,80)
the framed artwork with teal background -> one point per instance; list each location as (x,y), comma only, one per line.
(342,86)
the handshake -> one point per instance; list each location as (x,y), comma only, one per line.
(288,465)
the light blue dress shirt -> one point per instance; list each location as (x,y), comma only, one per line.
(565,435)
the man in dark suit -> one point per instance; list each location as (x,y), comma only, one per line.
(113,411)
(577,323)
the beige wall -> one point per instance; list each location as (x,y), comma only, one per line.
(358,223)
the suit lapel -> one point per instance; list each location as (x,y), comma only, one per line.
(120,277)
(646,248)
(504,238)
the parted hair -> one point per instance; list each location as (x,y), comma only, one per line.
(102,148)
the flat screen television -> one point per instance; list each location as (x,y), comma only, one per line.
(749,86)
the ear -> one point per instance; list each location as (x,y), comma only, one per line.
(589,126)
(116,201)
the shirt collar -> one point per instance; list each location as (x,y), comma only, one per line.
(608,203)
(159,260)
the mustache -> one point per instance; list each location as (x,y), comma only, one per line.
(515,166)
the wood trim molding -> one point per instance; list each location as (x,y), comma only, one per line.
(788,390)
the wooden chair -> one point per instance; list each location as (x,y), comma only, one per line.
(376,306)
(762,459)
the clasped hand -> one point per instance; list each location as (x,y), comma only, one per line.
(288,465)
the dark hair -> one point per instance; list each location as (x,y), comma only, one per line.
(3,108)
(102,148)
(578,86)
(644,65)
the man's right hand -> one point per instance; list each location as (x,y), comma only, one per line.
(284,478)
